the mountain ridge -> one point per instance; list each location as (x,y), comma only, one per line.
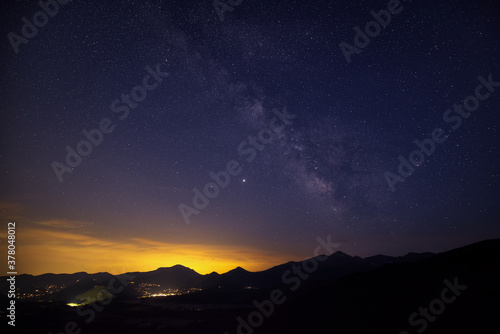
(181,277)
(336,265)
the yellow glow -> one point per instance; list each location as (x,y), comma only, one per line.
(163,294)
(47,250)
(74,305)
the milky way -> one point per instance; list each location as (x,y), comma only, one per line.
(321,174)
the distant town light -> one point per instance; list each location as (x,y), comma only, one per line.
(74,304)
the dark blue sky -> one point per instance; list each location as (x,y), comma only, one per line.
(321,174)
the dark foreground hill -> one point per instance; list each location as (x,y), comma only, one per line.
(383,300)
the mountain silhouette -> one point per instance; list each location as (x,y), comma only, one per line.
(384,298)
(344,294)
(179,277)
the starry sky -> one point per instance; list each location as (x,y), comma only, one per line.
(218,83)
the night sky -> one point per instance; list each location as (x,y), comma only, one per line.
(218,85)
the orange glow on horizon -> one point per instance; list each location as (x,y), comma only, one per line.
(43,251)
